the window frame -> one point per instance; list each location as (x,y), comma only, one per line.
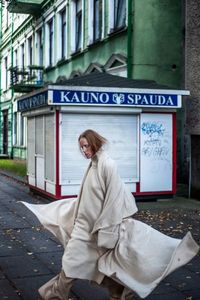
(76,26)
(113,26)
(30,50)
(50,40)
(40,47)
(91,22)
(6,71)
(98,22)
(63,27)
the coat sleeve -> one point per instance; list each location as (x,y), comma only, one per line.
(108,237)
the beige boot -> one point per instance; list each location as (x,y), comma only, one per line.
(57,288)
(127,295)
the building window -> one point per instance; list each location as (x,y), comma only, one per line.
(30,50)
(39,54)
(97,32)
(40,47)
(117,15)
(78,24)
(16,58)
(63,33)
(6,72)
(50,41)
(22,56)
(7,17)
(22,62)
(76,28)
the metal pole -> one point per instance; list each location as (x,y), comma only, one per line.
(130,40)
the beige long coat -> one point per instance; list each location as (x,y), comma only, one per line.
(113,244)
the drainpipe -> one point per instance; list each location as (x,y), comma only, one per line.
(1,8)
(130,40)
(12,91)
(190,169)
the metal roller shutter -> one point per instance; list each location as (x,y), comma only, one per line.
(121,132)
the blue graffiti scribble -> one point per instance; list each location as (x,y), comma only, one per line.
(152,129)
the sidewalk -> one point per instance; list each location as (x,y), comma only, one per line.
(29,255)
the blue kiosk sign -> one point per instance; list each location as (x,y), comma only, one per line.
(61,95)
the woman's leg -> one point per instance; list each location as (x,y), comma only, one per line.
(56,288)
(127,295)
(115,289)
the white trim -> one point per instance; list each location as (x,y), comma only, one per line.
(179,101)
(39,25)
(103,18)
(48,14)
(100,110)
(60,6)
(125,90)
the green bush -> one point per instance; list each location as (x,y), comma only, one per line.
(17,167)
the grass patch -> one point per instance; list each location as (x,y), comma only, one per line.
(16,167)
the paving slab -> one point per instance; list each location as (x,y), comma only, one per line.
(7,291)
(28,286)
(23,266)
(37,241)
(51,259)
(30,256)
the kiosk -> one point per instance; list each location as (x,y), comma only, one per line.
(138,117)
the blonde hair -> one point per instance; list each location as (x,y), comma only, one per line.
(95,140)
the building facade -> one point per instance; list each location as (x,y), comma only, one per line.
(192,105)
(52,41)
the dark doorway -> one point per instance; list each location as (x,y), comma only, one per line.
(5,132)
(195,166)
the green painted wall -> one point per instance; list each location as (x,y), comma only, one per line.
(99,53)
(157,36)
(158,50)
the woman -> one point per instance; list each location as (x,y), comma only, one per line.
(102,242)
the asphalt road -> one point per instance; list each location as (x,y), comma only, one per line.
(30,256)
